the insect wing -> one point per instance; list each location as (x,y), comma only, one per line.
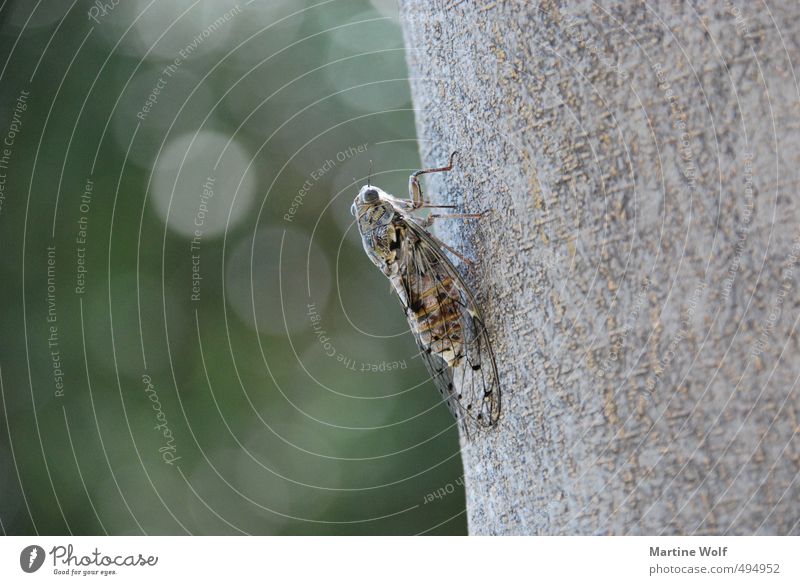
(469,382)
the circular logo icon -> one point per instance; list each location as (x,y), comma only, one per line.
(31,558)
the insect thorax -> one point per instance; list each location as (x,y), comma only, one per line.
(383,243)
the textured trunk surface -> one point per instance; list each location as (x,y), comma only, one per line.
(639,267)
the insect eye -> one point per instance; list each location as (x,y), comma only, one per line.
(370,196)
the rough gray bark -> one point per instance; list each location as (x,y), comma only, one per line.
(638,270)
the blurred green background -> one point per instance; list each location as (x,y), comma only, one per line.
(193,340)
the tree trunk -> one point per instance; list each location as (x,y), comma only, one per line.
(638,268)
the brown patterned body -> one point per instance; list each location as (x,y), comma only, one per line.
(441,311)
(434,313)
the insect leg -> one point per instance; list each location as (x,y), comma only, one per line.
(430,219)
(415,189)
(450,249)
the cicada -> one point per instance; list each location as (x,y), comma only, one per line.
(441,310)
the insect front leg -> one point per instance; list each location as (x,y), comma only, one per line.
(450,249)
(434,216)
(415,189)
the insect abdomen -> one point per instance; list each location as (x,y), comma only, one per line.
(435,315)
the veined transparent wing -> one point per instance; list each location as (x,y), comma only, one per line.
(449,331)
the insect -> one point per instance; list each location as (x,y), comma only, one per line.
(441,311)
